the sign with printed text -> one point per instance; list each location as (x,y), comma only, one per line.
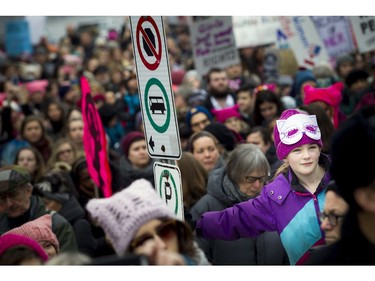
(251,31)
(154,84)
(336,35)
(213,43)
(168,186)
(303,38)
(364,31)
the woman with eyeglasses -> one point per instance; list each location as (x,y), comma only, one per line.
(137,221)
(290,204)
(335,208)
(243,177)
(63,155)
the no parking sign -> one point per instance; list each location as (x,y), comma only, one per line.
(154,84)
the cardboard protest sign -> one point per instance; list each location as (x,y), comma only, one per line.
(213,43)
(364,31)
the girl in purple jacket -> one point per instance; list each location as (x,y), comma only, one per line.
(291,202)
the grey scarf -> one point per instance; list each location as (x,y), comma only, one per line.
(233,191)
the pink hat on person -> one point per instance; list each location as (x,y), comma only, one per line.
(37,86)
(330,95)
(295,128)
(10,240)
(223,114)
(39,230)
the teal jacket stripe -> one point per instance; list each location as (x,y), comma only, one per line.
(297,242)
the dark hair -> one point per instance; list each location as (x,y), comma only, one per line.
(40,164)
(18,254)
(60,107)
(79,165)
(262,97)
(247,86)
(332,186)
(213,70)
(30,118)
(264,133)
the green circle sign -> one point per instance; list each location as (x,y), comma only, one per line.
(174,187)
(165,126)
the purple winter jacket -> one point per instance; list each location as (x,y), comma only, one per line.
(284,206)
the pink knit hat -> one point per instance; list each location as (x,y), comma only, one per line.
(293,129)
(39,230)
(122,214)
(37,86)
(223,114)
(9,240)
(330,95)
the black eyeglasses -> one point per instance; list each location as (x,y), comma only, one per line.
(332,218)
(165,231)
(250,179)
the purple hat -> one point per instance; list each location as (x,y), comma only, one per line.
(293,129)
(129,139)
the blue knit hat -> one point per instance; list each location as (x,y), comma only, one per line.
(196,110)
(302,76)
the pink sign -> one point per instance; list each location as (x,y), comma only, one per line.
(95,142)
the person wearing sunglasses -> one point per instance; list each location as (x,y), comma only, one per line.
(136,221)
(243,178)
(290,203)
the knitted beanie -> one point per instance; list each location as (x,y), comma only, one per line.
(196,110)
(301,77)
(330,95)
(356,75)
(39,230)
(224,135)
(9,240)
(129,139)
(222,115)
(293,129)
(107,113)
(37,86)
(122,214)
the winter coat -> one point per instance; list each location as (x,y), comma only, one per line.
(283,205)
(222,193)
(60,226)
(75,215)
(130,174)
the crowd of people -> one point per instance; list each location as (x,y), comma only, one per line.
(273,170)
